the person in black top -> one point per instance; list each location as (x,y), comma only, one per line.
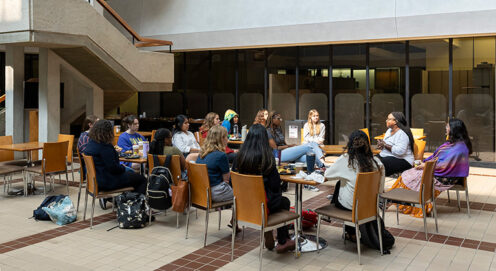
(256,158)
(110,174)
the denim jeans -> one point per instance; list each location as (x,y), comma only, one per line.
(299,153)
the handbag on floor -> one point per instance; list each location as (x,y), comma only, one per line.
(132,210)
(180,196)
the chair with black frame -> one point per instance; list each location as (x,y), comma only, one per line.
(200,195)
(365,208)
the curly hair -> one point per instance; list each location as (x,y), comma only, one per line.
(259,118)
(214,141)
(209,121)
(91,119)
(359,152)
(102,132)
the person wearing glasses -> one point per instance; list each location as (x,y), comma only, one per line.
(397,146)
(290,153)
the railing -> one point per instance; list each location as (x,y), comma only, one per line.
(2,98)
(138,41)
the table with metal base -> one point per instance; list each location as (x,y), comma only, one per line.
(307,242)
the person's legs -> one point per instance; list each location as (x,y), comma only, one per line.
(394,165)
(319,154)
(294,153)
(137,181)
(283,232)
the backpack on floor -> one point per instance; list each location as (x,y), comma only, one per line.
(39,213)
(158,191)
(370,236)
(132,210)
(62,212)
(308,218)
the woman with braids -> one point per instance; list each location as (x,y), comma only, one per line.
(110,174)
(397,147)
(452,166)
(359,158)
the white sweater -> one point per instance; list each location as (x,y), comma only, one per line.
(185,141)
(400,146)
(340,171)
(317,138)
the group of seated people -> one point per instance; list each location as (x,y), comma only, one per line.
(260,148)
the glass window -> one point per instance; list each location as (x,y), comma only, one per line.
(429,80)
(251,83)
(282,86)
(197,69)
(223,81)
(473,92)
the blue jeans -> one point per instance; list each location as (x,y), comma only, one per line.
(299,153)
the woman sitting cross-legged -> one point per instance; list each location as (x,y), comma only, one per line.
(256,158)
(110,174)
(451,168)
(290,153)
(359,158)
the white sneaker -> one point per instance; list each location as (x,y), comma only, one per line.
(313,188)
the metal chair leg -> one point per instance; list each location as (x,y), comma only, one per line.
(187,220)
(150,216)
(92,212)
(344,233)
(397,214)
(380,235)
(357,232)
(44,184)
(85,205)
(458,199)
(67,181)
(449,200)
(72,169)
(206,228)
(243,234)
(468,202)
(261,248)
(220,214)
(177,220)
(233,233)
(318,232)
(435,213)
(425,221)
(79,196)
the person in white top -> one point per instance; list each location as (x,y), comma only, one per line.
(397,146)
(313,130)
(183,139)
(359,158)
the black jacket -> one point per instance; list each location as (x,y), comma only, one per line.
(109,172)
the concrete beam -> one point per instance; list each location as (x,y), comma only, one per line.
(14,90)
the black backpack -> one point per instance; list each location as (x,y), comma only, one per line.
(132,210)
(158,191)
(39,213)
(370,236)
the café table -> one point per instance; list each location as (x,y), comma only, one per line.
(141,161)
(414,137)
(24,147)
(143,133)
(340,149)
(307,242)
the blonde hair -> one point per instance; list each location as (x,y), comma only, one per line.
(214,141)
(209,121)
(311,125)
(259,118)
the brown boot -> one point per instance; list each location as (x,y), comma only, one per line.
(269,240)
(289,245)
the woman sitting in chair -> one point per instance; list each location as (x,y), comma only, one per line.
(256,158)
(110,174)
(162,145)
(211,120)
(451,168)
(359,158)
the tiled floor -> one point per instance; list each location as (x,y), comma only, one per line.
(462,243)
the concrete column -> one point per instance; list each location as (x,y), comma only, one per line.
(94,102)
(49,96)
(14,90)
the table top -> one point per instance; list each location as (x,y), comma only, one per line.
(339,149)
(143,133)
(287,178)
(136,160)
(28,146)
(236,142)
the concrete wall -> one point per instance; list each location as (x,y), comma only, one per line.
(14,15)
(196,25)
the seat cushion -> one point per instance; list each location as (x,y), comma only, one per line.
(401,195)
(35,169)
(334,212)
(280,217)
(8,169)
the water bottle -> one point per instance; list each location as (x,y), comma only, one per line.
(243,133)
(235,130)
(310,162)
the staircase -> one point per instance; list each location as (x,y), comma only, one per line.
(79,34)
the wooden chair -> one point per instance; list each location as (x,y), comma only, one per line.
(82,179)
(70,154)
(92,188)
(8,165)
(249,194)
(54,162)
(200,195)
(458,188)
(366,131)
(365,207)
(198,137)
(153,135)
(418,149)
(415,198)
(417,132)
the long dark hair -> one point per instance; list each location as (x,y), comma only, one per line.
(359,152)
(178,123)
(102,132)
(401,122)
(232,125)
(256,156)
(157,145)
(458,132)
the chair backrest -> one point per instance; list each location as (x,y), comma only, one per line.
(200,183)
(366,131)
(6,155)
(301,135)
(197,136)
(91,183)
(55,156)
(417,132)
(427,183)
(418,149)
(175,165)
(153,135)
(81,166)
(249,192)
(70,139)
(365,195)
